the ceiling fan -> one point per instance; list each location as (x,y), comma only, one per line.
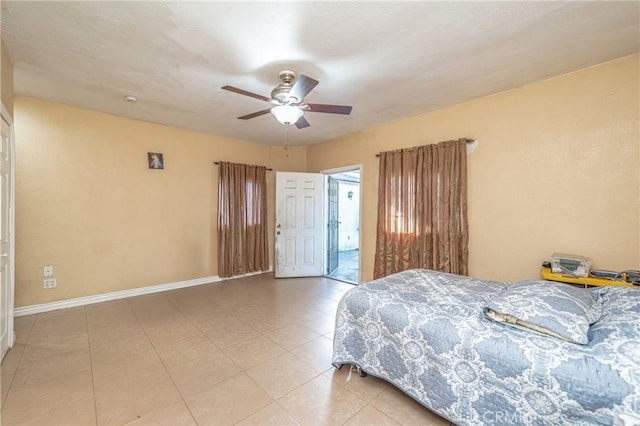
(288,99)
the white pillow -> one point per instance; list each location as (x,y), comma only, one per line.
(554,309)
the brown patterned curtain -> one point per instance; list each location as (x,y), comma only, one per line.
(242,219)
(422,209)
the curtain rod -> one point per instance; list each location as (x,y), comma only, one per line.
(468,141)
(217,162)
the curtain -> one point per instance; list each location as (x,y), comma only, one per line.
(422,209)
(242,219)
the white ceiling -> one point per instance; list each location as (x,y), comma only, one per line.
(388,60)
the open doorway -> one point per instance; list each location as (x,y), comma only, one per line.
(343,225)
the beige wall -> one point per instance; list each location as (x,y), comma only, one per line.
(556,169)
(6,68)
(87,203)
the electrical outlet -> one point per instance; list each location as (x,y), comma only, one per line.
(48,270)
(50,283)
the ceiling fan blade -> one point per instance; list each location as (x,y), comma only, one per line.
(331,109)
(302,122)
(244,92)
(255,114)
(301,88)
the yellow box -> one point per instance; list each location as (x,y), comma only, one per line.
(548,275)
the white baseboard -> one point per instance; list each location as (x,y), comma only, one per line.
(89,300)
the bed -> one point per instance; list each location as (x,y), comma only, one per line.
(449,342)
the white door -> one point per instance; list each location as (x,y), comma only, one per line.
(299,229)
(6,238)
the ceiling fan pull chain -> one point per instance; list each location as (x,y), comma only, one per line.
(286,139)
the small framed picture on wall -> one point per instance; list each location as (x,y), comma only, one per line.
(155,159)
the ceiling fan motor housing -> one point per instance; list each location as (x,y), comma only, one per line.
(281,92)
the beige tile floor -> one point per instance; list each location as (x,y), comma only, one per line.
(250,351)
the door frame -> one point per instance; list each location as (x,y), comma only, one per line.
(12,245)
(325,217)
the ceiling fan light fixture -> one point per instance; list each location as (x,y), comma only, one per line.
(286,114)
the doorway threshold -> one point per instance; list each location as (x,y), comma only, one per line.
(348,267)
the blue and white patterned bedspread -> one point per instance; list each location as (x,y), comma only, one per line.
(425,332)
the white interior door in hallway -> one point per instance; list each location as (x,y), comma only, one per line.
(6,234)
(299,230)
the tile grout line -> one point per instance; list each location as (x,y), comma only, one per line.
(93,383)
(13,376)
